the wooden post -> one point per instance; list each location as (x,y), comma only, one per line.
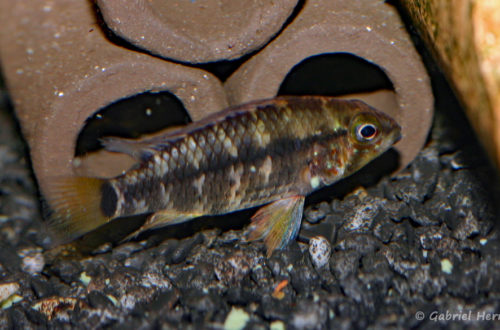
(464,36)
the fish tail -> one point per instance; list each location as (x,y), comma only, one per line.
(77,206)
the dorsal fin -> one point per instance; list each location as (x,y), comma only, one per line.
(143,147)
(137,149)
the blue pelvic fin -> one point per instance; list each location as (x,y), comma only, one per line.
(278,222)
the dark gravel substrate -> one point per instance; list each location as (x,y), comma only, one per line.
(421,241)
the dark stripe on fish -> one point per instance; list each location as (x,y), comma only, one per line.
(217,180)
(108,200)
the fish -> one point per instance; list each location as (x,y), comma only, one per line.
(270,153)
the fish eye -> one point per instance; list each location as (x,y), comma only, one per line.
(366,132)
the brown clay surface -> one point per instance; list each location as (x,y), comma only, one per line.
(197,31)
(60,69)
(371,30)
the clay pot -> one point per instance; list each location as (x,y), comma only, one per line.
(369,30)
(61,69)
(197,31)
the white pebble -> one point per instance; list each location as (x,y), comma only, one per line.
(236,319)
(7,290)
(446,266)
(85,279)
(320,250)
(33,261)
(277,325)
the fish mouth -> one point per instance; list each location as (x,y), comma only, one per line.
(391,128)
(393,137)
(395,133)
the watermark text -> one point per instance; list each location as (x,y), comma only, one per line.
(458,316)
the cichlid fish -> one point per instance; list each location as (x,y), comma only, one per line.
(271,152)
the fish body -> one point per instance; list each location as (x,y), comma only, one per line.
(272,152)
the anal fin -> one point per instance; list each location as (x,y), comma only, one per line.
(278,222)
(162,219)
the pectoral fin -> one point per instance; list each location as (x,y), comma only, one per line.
(278,223)
(162,219)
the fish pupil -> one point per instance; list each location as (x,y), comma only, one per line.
(367,131)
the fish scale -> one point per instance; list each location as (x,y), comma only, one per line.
(255,124)
(265,152)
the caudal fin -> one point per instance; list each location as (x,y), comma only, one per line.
(76,206)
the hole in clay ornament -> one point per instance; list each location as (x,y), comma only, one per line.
(130,117)
(334,74)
